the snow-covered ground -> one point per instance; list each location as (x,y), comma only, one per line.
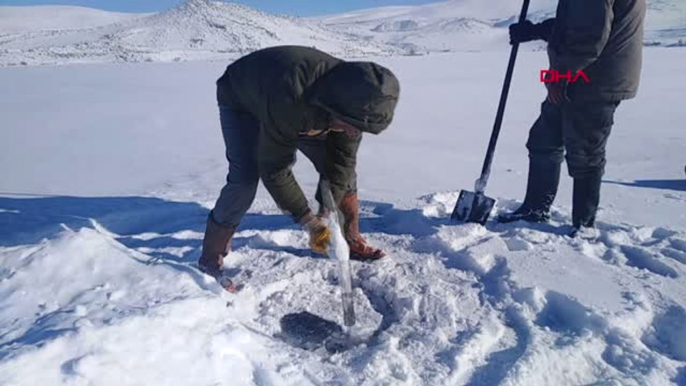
(108,172)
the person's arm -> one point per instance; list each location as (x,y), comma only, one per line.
(276,158)
(341,160)
(587,27)
(545,29)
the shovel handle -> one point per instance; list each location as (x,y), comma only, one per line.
(486,170)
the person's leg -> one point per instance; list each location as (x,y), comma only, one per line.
(315,149)
(241,136)
(241,133)
(546,152)
(587,127)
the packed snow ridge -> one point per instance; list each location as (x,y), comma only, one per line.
(203,29)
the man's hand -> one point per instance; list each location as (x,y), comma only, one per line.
(527,31)
(522,32)
(320,233)
(557,92)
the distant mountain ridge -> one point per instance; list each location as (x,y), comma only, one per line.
(197,29)
(451,25)
(62,17)
(209,30)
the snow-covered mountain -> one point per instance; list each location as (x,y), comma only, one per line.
(197,29)
(25,19)
(459,25)
(666,22)
(204,29)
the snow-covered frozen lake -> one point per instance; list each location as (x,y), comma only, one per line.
(107,173)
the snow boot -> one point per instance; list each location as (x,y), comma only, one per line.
(541,189)
(359,249)
(585,202)
(215,246)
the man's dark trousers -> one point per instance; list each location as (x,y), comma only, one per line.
(577,131)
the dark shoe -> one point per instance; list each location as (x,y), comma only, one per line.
(586,200)
(574,233)
(524,214)
(215,247)
(359,249)
(541,189)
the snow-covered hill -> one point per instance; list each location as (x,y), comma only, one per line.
(37,18)
(198,29)
(459,25)
(666,22)
(203,29)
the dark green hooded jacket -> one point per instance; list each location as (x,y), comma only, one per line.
(291,90)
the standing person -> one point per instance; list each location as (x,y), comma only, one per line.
(604,39)
(277,101)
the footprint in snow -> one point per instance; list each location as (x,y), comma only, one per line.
(625,354)
(666,334)
(675,254)
(680,378)
(645,259)
(565,315)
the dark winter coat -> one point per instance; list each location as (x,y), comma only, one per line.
(604,38)
(291,90)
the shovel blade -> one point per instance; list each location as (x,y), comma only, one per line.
(473,207)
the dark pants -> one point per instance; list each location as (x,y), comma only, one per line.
(579,128)
(578,132)
(241,136)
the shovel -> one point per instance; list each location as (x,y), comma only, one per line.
(476,206)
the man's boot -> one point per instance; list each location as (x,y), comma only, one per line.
(359,249)
(215,246)
(541,189)
(585,202)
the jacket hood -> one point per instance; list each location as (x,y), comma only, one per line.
(363,94)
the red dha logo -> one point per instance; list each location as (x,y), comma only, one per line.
(554,76)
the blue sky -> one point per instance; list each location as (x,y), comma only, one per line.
(292,7)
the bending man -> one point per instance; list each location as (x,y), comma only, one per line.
(277,101)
